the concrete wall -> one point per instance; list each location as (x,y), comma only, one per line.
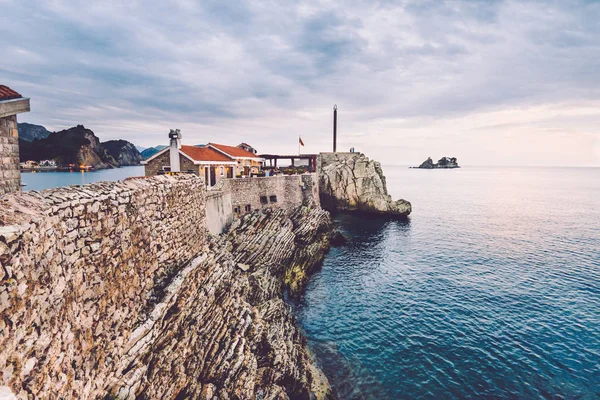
(80,270)
(10,174)
(289,191)
(219,211)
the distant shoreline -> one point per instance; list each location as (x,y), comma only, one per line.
(67,169)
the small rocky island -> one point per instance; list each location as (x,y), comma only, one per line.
(444,162)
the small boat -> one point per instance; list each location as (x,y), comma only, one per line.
(23,184)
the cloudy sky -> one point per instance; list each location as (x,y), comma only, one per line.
(489,82)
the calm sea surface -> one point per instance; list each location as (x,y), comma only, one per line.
(47,180)
(490,291)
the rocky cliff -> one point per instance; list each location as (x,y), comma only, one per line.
(115,290)
(31,132)
(76,145)
(352,182)
(444,162)
(123,151)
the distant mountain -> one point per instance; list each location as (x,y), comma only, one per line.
(123,151)
(149,152)
(31,132)
(76,145)
(140,148)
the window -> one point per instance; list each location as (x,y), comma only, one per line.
(236,209)
(263,200)
(273,199)
(248,208)
(222,171)
(166,168)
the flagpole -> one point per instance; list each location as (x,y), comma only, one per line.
(298,144)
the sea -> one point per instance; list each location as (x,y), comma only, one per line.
(50,179)
(490,290)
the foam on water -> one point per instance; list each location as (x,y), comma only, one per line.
(491,290)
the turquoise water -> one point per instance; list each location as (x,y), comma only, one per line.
(47,180)
(491,290)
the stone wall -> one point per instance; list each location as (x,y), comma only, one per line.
(282,191)
(219,211)
(185,164)
(10,174)
(81,269)
(115,290)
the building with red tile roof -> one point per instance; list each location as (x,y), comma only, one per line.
(247,163)
(7,93)
(212,161)
(205,154)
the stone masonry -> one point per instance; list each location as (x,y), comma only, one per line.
(116,290)
(10,175)
(80,268)
(186,165)
(282,191)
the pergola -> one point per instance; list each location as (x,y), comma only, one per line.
(272,158)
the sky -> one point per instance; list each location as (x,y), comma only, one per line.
(489,82)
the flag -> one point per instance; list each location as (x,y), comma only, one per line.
(301,142)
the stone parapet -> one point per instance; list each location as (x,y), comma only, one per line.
(80,269)
(282,191)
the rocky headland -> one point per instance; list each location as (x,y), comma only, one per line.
(77,146)
(116,290)
(123,151)
(444,162)
(353,182)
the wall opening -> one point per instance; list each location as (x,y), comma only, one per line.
(263,200)
(273,198)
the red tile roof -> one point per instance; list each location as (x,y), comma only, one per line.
(204,154)
(234,151)
(7,93)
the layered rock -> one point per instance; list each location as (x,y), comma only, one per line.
(123,151)
(444,162)
(114,290)
(352,182)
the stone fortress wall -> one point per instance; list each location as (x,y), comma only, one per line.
(282,191)
(10,175)
(80,269)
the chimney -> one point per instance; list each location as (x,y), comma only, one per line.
(175,145)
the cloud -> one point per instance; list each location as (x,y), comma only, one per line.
(412,79)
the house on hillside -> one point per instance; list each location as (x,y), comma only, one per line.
(213,162)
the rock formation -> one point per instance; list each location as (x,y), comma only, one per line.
(444,162)
(76,145)
(31,132)
(123,151)
(114,290)
(352,182)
